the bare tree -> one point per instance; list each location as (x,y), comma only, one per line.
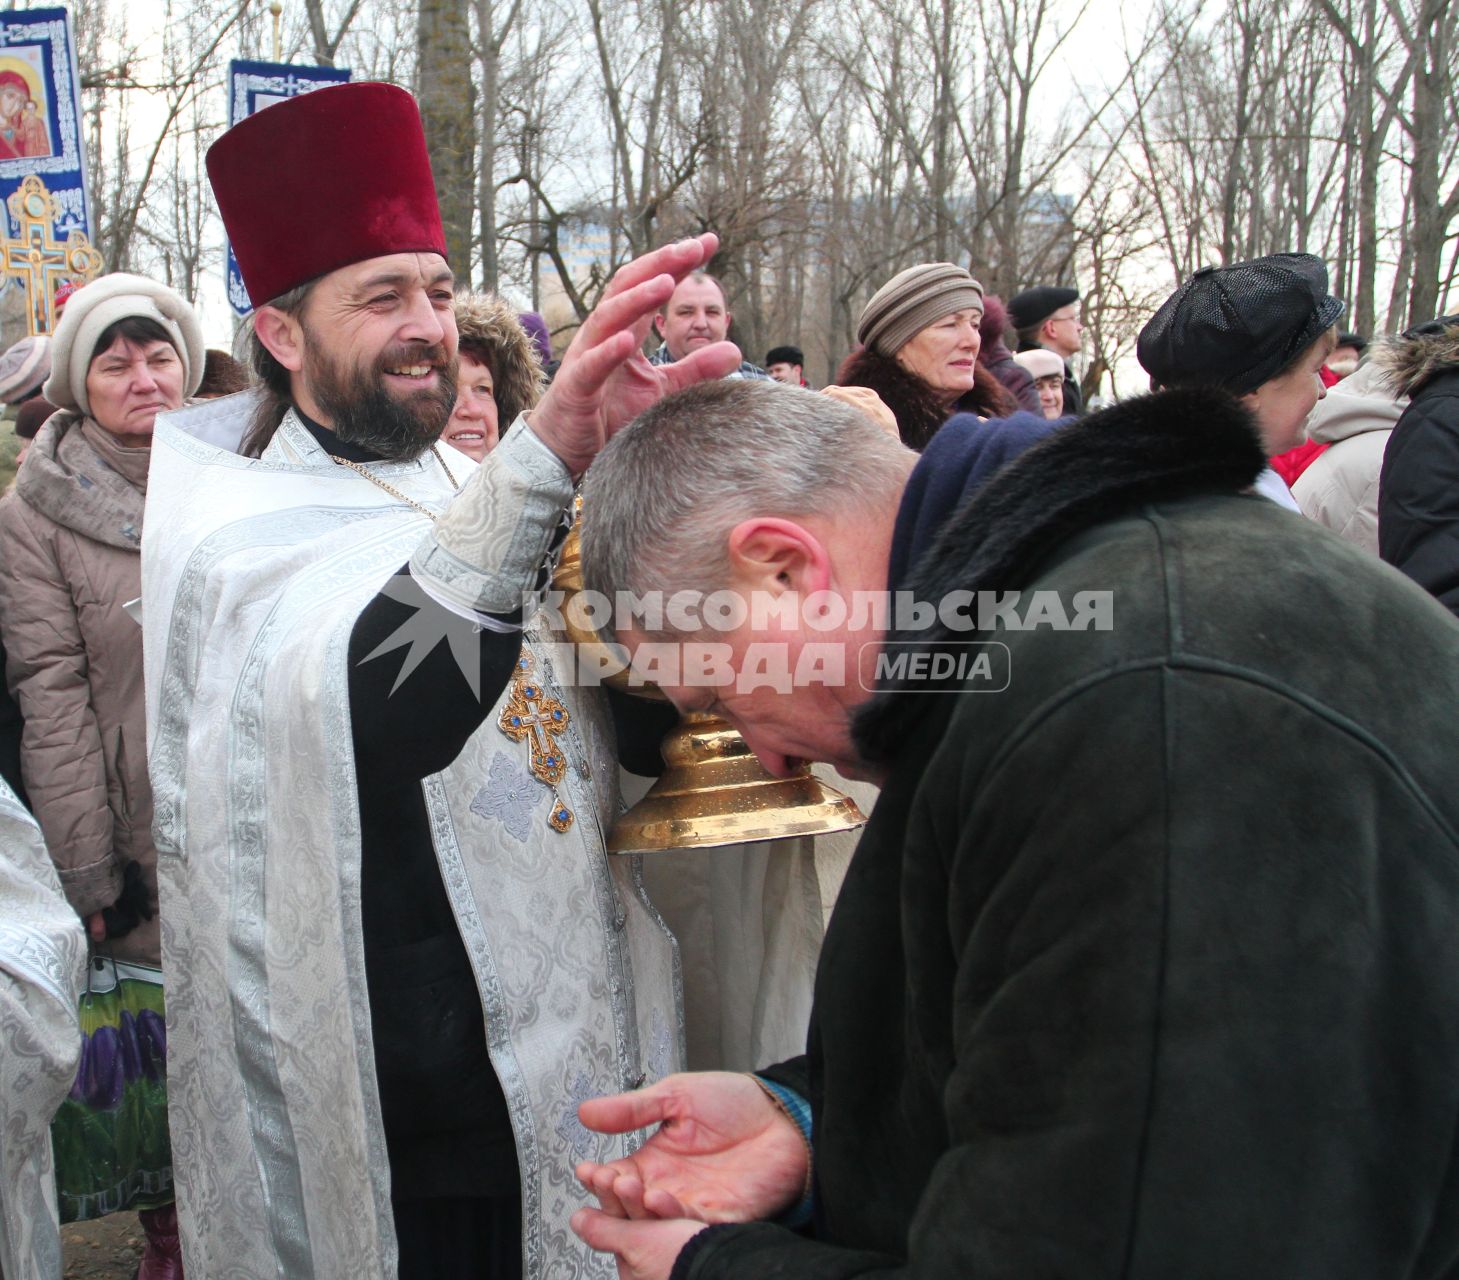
(495,21)
(655,130)
(1367,121)
(324,44)
(1430,125)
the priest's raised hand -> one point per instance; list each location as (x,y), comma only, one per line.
(605,380)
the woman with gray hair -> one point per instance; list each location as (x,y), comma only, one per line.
(126,349)
(920,340)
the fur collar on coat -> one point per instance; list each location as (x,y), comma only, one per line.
(1156,447)
(918,409)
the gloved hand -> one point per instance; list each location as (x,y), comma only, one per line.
(133,904)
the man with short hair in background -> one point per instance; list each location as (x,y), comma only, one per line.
(695,317)
(1048,316)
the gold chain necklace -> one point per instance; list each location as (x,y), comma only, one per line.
(359,469)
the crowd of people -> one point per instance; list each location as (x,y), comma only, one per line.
(1139,968)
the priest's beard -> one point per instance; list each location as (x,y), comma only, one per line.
(365,413)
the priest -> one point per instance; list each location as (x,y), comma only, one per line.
(397,955)
(42,964)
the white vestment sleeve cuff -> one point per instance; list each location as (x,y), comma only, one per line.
(483,621)
(494,547)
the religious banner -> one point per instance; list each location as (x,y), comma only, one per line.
(37,260)
(252,86)
(41,148)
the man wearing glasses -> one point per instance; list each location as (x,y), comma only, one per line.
(1047,316)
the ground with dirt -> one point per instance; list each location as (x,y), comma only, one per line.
(107,1249)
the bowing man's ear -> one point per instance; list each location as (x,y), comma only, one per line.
(776,555)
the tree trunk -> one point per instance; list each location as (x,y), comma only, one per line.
(1429,223)
(319,33)
(486,183)
(1236,158)
(448,112)
(1370,157)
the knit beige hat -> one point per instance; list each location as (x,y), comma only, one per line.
(913,299)
(90,310)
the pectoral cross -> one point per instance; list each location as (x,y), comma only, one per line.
(38,260)
(531,713)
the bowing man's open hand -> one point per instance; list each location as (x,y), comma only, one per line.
(722,1152)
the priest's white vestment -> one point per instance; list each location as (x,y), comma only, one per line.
(254,571)
(42,967)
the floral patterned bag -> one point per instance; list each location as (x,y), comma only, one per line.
(110,1139)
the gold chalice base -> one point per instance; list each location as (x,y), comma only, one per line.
(715,792)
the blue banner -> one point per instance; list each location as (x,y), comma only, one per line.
(252,86)
(40,116)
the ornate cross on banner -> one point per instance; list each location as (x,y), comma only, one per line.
(532,713)
(38,260)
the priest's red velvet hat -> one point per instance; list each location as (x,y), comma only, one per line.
(315,183)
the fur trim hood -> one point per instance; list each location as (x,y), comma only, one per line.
(487,322)
(1157,447)
(1410,359)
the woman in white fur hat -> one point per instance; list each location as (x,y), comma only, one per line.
(1047,371)
(126,349)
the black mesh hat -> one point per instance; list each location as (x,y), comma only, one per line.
(1239,326)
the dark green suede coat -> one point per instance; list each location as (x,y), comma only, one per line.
(1148,966)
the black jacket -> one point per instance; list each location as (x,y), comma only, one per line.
(1418,489)
(1144,966)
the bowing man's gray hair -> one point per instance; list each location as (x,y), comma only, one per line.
(662,497)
